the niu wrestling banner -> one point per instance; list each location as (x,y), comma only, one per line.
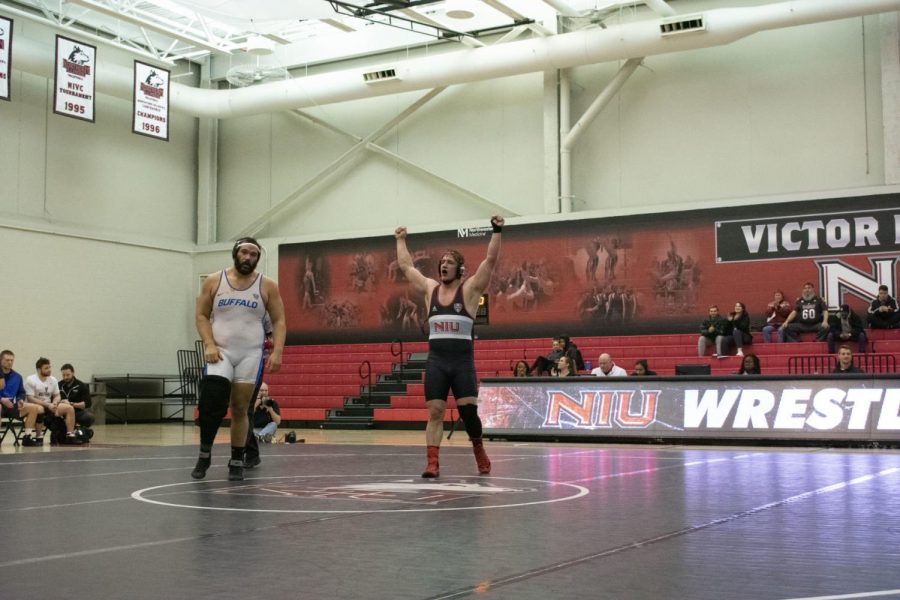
(73,86)
(655,273)
(6,33)
(855,408)
(151,101)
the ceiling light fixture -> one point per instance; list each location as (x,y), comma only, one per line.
(257,45)
(458,9)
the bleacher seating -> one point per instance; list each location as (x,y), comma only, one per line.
(315,379)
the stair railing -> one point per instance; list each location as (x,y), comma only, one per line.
(398,352)
(365,372)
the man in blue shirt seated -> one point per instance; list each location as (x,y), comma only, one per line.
(12,399)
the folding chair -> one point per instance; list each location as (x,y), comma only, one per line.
(12,425)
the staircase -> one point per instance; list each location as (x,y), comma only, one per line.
(358,412)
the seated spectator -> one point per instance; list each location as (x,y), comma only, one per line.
(77,393)
(571,350)
(750,365)
(845,361)
(641,369)
(846,326)
(521,369)
(776,312)
(883,312)
(712,329)
(810,314)
(543,365)
(608,368)
(740,327)
(42,389)
(565,367)
(266,415)
(12,398)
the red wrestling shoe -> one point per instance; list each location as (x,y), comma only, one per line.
(432,469)
(481,457)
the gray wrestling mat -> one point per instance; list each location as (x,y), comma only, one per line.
(349,522)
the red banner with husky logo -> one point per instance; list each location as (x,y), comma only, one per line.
(654,273)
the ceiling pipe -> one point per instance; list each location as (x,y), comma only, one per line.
(569,134)
(660,7)
(630,40)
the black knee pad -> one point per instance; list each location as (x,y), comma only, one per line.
(469,414)
(215,394)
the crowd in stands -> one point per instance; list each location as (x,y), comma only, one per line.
(44,403)
(809,314)
(732,333)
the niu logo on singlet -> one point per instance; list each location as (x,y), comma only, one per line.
(603,408)
(445,327)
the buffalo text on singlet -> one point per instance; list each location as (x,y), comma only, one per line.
(237,315)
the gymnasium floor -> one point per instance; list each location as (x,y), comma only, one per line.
(346,515)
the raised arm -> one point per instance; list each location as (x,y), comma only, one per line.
(482,277)
(418,281)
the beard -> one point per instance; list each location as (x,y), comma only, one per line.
(245,267)
(808,295)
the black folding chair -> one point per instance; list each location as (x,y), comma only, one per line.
(13,425)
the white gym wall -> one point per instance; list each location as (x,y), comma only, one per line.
(797,112)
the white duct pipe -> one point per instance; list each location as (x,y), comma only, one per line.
(565,154)
(622,42)
(569,134)
(599,103)
(660,7)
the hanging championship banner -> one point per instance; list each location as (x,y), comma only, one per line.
(73,88)
(151,101)
(6,27)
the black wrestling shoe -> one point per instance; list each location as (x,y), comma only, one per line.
(72,440)
(251,461)
(235,470)
(201,467)
(29,441)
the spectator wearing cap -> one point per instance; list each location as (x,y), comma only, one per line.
(844,327)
